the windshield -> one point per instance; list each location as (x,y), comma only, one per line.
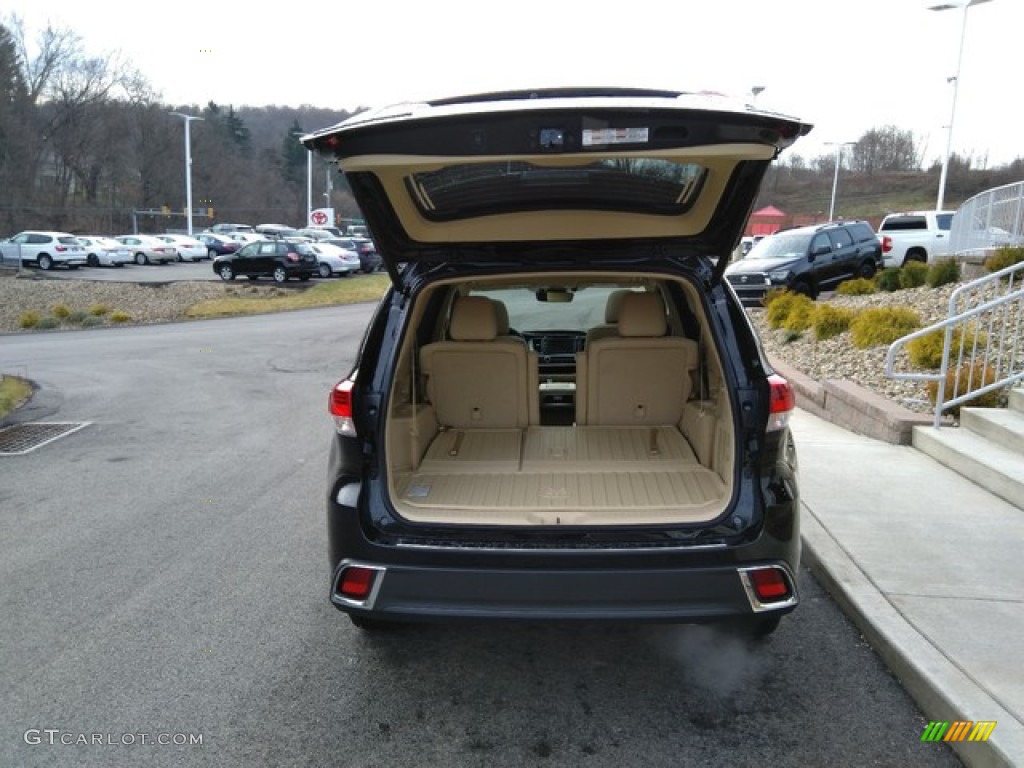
(780,247)
(526,313)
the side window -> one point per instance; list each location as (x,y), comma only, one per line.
(38,239)
(840,239)
(944,221)
(820,244)
(20,239)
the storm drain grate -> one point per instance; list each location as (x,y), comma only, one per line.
(24,438)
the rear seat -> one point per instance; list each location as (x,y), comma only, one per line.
(474,380)
(639,377)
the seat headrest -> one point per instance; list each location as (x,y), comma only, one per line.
(473,319)
(501,317)
(614,305)
(642,314)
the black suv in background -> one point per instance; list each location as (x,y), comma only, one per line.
(807,260)
(279,259)
(559,410)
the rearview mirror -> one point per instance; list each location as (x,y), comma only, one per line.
(556,295)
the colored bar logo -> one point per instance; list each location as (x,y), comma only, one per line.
(958,730)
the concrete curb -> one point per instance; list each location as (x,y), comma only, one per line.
(938,685)
(853,407)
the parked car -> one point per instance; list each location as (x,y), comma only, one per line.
(500,451)
(334,260)
(103,251)
(218,244)
(807,260)
(47,250)
(245,237)
(187,248)
(226,228)
(278,259)
(915,236)
(369,259)
(148,249)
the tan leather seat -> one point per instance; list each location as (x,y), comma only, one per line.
(639,377)
(611,316)
(476,381)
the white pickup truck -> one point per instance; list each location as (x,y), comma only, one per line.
(915,236)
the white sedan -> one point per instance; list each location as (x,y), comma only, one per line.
(334,260)
(188,248)
(105,251)
(147,249)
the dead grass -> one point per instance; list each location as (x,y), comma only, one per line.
(13,392)
(339,291)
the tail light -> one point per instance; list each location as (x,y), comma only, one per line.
(886,244)
(292,256)
(782,401)
(768,587)
(356,583)
(61,248)
(340,407)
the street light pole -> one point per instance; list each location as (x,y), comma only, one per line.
(835,176)
(188,165)
(955,79)
(309,181)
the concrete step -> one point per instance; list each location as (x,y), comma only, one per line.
(1000,425)
(994,467)
(1017,399)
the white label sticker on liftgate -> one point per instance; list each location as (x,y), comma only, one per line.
(603,136)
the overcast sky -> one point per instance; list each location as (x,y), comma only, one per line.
(845,65)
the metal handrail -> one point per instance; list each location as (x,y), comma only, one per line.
(1009,333)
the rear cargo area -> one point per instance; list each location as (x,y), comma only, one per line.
(623,423)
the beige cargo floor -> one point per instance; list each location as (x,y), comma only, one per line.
(560,476)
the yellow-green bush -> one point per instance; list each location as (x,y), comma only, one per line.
(801,311)
(926,351)
(913,274)
(882,325)
(858,287)
(99,310)
(967,379)
(771,295)
(120,317)
(60,310)
(1004,257)
(943,272)
(888,279)
(780,306)
(28,319)
(828,320)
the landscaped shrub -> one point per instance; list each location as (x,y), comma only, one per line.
(92,320)
(1004,257)
(943,272)
(47,323)
(967,379)
(60,310)
(860,286)
(75,317)
(800,312)
(771,295)
(28,319)
(828,321)
(926,351)
(120,317)
(888,279)
(779,307)
(99,310)
(913,274)
(882,325)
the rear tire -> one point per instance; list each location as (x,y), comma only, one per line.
(45,262)
(372,625)
(279,275)
(141,259)
(93,260)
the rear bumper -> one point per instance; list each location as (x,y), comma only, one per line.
(687,595)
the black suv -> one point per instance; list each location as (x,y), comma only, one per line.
(559,409)
(279,259)
(807,260)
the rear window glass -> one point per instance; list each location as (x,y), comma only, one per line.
(644,185)
(944,220)
(895,223)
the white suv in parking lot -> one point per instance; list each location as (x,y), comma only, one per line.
(49,249)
